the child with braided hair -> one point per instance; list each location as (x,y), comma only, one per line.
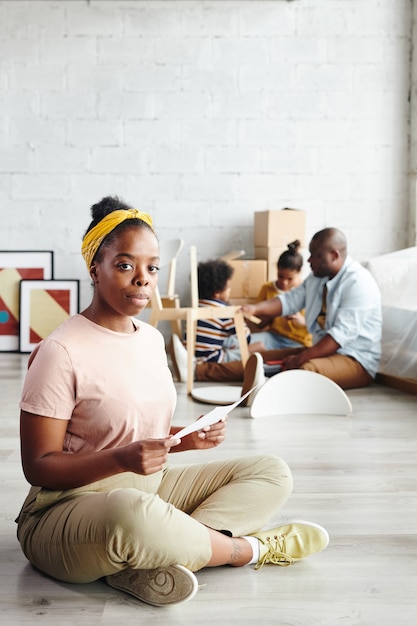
(287,331)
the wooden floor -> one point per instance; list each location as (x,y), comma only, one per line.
(355,475)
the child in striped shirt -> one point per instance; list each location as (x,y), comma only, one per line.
(216,340)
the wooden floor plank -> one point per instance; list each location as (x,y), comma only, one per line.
(356,475)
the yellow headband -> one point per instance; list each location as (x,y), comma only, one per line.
(95,236)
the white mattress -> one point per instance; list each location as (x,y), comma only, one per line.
(396,275)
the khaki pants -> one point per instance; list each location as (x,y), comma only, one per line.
(145,522)
(343,370)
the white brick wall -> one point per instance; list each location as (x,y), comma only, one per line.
(202,112)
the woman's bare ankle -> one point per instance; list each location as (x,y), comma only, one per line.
(241,552)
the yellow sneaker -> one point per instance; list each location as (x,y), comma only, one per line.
(291,542)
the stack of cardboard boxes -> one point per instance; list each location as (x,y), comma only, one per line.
(273,231)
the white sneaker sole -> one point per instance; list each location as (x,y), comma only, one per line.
(323,530)
(163,586)
(178,353)
(253,375)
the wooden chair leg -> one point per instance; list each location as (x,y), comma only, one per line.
(241,335)
(190,349)
(173,302)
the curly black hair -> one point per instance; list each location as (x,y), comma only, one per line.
(104,207)
(212,277)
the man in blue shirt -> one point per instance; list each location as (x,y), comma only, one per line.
(343,312)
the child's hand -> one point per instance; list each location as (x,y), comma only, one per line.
(256,346)
(297,319)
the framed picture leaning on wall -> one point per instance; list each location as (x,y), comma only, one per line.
(16,265)
(44,305)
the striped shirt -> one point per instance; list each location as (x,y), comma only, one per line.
(212,333)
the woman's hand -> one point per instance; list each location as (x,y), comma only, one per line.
(210,436)
(204,439)
(45,464)
(147,456)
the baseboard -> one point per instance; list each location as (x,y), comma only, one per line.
(409,385)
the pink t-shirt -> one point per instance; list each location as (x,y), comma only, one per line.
(113,388)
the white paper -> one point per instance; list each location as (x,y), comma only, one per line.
(212,417)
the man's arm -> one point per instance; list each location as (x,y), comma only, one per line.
(266,310)
(325,347)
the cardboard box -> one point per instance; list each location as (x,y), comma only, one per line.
(248,277)
(271,256)
(276,229)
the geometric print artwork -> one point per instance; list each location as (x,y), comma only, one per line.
(16,265)
(44,305)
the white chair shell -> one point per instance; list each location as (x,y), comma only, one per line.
(300,392)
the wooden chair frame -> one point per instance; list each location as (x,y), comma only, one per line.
(191,314)
(169,250)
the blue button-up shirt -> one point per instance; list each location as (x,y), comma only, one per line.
(353,311)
